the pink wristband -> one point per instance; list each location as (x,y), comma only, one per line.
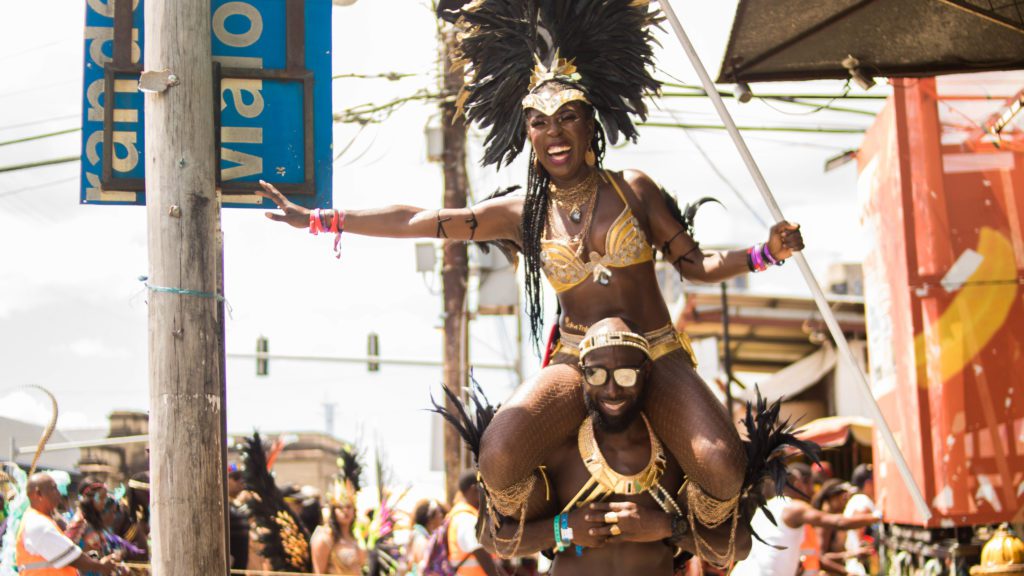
(768,255)
(758,259)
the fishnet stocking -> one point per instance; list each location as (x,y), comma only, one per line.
(539,416)
(543,412)
(695,427)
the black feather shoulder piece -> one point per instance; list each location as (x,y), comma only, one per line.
(770,440)
(607,44)
(470,418)
(284,539)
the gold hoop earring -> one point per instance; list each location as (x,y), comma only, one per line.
(590,158)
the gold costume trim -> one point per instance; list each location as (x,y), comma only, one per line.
(712,513)
(606,477)
(547,104)
(662,342)
(607,339)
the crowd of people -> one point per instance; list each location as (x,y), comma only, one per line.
(823,525)
(54,526)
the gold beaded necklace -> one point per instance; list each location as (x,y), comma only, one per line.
(571,198)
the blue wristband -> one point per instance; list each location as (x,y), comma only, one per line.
(559,545)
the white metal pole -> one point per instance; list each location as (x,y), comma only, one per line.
(805,269)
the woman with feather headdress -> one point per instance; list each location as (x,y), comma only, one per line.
(334,545)
(566,75)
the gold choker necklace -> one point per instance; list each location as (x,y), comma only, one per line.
(608,479)
(572,198)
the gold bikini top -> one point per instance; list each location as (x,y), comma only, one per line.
(625,245)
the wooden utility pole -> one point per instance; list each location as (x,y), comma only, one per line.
(185,372)
(455,271)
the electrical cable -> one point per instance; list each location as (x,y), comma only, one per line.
(16,191)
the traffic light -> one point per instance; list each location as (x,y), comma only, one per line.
(262,359)
(372,351)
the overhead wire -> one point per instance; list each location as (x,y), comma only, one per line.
(725,180)
(16,191)
(41,136)
(37,122)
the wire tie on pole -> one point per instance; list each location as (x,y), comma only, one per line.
(182,291)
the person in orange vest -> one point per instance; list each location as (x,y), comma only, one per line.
(41,548)
(464,548)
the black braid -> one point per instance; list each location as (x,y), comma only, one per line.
(535,215)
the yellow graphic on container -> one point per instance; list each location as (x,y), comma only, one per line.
(977,312)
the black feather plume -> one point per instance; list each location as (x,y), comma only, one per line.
(686,215)
(469,421)
(350,465)
(285,541)
(767,443)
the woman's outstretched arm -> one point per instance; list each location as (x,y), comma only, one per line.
(686,255)
(496,219)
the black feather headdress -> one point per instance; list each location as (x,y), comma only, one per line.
(285,542)
(605,46)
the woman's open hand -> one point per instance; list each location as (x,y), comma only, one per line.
(293,214)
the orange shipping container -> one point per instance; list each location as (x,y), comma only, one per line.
(942,207)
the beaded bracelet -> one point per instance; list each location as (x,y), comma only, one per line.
(559,545)
(316,226)
(755,259)
(769,258)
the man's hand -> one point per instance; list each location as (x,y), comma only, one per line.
(294,214)
(583,529)
(633,523)
(111,565)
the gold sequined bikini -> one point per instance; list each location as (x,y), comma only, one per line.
(625,245)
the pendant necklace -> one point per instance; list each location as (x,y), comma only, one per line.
(572,198)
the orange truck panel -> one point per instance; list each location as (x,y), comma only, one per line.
(942,208)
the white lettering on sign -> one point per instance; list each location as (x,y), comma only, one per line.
(126,154)
(92,147)
(244,95)
(126,115)
(92,96)
(126,140)
(97,37)
(240,61)
(247,164)
(247,11)
(106,7)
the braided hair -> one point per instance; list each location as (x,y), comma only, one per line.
(535,215)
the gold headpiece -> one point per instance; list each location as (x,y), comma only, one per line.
(630,339)
(549,103)
(341,493)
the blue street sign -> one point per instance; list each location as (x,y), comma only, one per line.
(272,73)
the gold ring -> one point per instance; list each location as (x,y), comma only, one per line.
(611,518)
(615,530)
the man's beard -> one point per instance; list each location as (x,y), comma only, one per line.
(614,424)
